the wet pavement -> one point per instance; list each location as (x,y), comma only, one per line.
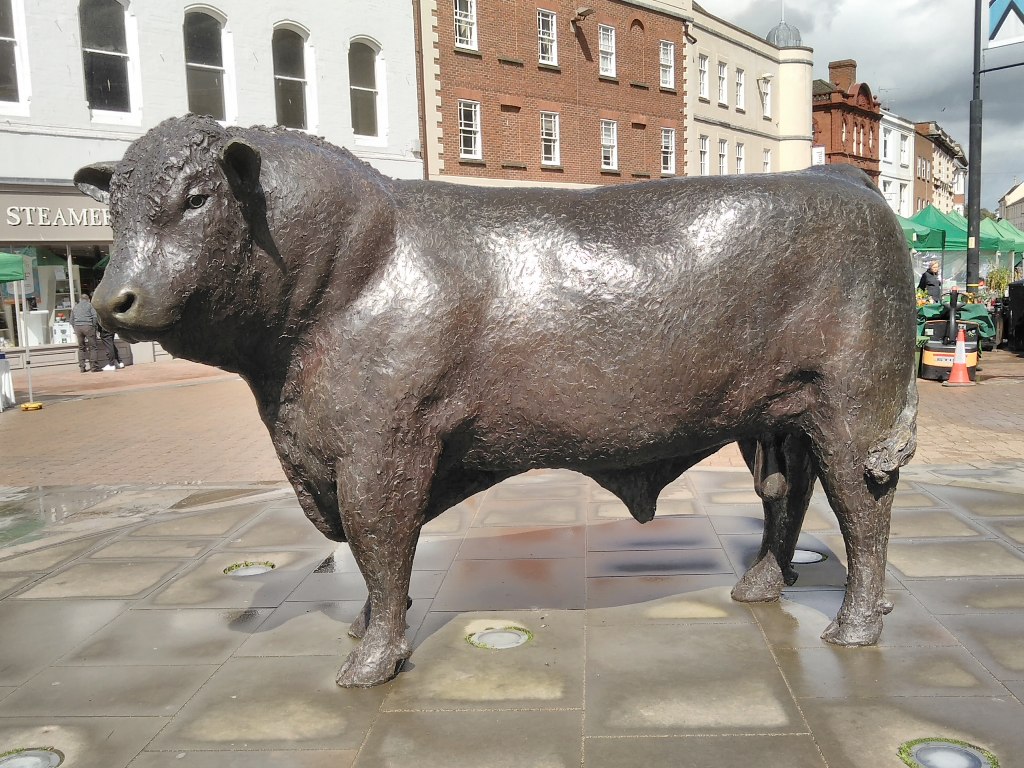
(125,643)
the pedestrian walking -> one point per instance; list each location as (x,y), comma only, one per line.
(85,322)
(113,356)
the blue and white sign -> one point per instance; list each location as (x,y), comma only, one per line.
(1005,22)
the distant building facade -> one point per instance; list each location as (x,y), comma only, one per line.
(81,79)
(846,119)
(1011,206)
(748,99)
(941,168)
(563,94)
(896,162)
(90,76)
(553,93)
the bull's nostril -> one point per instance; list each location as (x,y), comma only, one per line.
(124,302)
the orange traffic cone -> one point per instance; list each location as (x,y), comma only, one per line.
(958,376)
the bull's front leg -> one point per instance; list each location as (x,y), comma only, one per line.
(383,489)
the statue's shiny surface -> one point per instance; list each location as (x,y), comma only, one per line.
(412,343)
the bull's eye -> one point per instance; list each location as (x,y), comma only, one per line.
(196,201)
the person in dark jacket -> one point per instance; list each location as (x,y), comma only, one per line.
(113,356)
(85,321)
(931,282)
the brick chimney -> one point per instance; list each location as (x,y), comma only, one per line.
(843,73)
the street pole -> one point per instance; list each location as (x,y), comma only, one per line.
(974,167)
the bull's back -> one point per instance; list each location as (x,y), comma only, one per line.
(626,317)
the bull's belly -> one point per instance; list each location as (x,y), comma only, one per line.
(595,440)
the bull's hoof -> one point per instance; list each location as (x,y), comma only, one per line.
(852,634)
(365,670)
(790,575)
(885,606)
(762,583)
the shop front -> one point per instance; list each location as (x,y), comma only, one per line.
(64,238)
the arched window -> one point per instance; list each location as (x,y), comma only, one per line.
(290,78)
(14,83)
(362,73)
(105,55)
(204,64)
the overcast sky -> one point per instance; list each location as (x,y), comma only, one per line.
(917,58)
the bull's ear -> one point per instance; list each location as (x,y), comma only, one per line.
(241,161)
(94,180)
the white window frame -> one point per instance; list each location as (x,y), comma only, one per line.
(465,24)
(547,35)
(741,89)
(904,150)
(741,158)
(609,145)
(309,65)
(668,151)
(606,48)
(702,77)
(766,98)
(470,128)
(723,83)
(227,53)
(704,156)
(550,139)
(131,40)
(667,59)
(887,144)
(723,157)
(766,161)
(380,72)
(20,108)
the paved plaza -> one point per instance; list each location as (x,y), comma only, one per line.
(125,643)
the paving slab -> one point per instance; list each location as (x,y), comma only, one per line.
(320,758)
(704,751)
(279,703)
(451,673)
(172,636)
(85,742)
(484,739)
(685,679)
(869,732)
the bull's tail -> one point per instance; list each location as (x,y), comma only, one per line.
(897,449)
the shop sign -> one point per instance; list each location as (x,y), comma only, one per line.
(35,218)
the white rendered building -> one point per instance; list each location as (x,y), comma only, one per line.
(748,99)
(81,79)
(896,163)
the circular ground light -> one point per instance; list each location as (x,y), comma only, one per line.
(944,753)
(34,757)
(500,638)
(247,568)
(806,556)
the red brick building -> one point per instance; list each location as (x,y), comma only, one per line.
(846,118)
(552,92)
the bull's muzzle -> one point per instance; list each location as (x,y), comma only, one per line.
(120,309)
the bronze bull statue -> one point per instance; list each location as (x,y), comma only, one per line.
(412,343)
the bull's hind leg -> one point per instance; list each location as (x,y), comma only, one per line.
(382,494)
(784,479)
(863,509)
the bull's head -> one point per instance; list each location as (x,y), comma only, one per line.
(181,213)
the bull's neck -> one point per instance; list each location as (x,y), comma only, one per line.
(321,277)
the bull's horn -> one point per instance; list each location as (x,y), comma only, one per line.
(94,180)
(241,160)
